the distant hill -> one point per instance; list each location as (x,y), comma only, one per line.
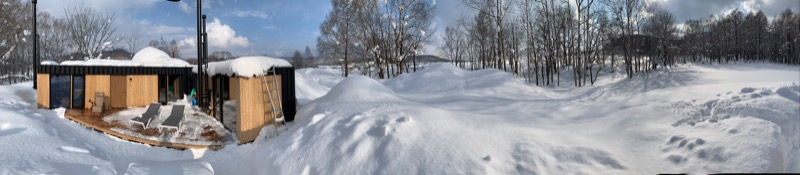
(426,59)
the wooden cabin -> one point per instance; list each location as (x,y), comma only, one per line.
(150,76)
(249,90)
(261,87)
(75,86)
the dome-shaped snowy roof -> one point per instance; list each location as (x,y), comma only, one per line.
(150,54)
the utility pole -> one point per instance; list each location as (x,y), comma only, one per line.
(35,46)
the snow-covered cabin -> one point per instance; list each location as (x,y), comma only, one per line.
(256,90)
(151,76)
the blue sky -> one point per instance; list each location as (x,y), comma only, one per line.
(244,27)
(278,27)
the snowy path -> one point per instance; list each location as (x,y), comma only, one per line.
(445,120)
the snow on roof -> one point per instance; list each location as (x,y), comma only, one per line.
(245,66)
(49,62)
(147,57)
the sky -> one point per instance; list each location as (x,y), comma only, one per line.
(279,27)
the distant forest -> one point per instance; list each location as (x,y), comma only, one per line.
(539,39)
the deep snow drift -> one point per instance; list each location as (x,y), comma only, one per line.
(445,120)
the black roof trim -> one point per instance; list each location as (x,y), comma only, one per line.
(113,70)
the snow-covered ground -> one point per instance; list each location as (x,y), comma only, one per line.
(445,120)
(192,131)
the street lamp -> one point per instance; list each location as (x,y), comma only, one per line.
(200,57)
(35,46)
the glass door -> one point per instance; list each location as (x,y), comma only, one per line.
(78,94)
(59,91)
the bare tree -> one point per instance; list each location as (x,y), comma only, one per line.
(497,10)
(375,34)
(52,30)
(626,16)
(90,30)
(15,41)
(173,49)
(130,42)
(455,44)
(297,60)
(335,38)
(308,57)
(661,26)
(220,56)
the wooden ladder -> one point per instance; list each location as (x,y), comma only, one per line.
(277,110)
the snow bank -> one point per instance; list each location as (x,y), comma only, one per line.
(147,57)
(764,121)
(311,83)
(360,89)
(245,66)
(445,79)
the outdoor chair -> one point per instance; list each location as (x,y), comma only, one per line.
(99,103)
(175,118)
(152,111)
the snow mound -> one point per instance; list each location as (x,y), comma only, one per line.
(437,77)
(245,66)
(770,115)
(147,57)
(445,79)
(360,89)
(312,83)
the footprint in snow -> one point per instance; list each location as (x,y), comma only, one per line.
(405,119)
(679,148)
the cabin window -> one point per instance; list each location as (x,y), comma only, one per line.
(78,93)
(59,91)
(67,91)
(169,88)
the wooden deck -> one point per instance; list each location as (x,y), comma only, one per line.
(86,118)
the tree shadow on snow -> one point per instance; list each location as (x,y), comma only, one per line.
(654,80)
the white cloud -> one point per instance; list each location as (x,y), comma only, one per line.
(56,7)
(223,36)
(248,13)
(184,7)
(770,7)
(187,42)
(220,37)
